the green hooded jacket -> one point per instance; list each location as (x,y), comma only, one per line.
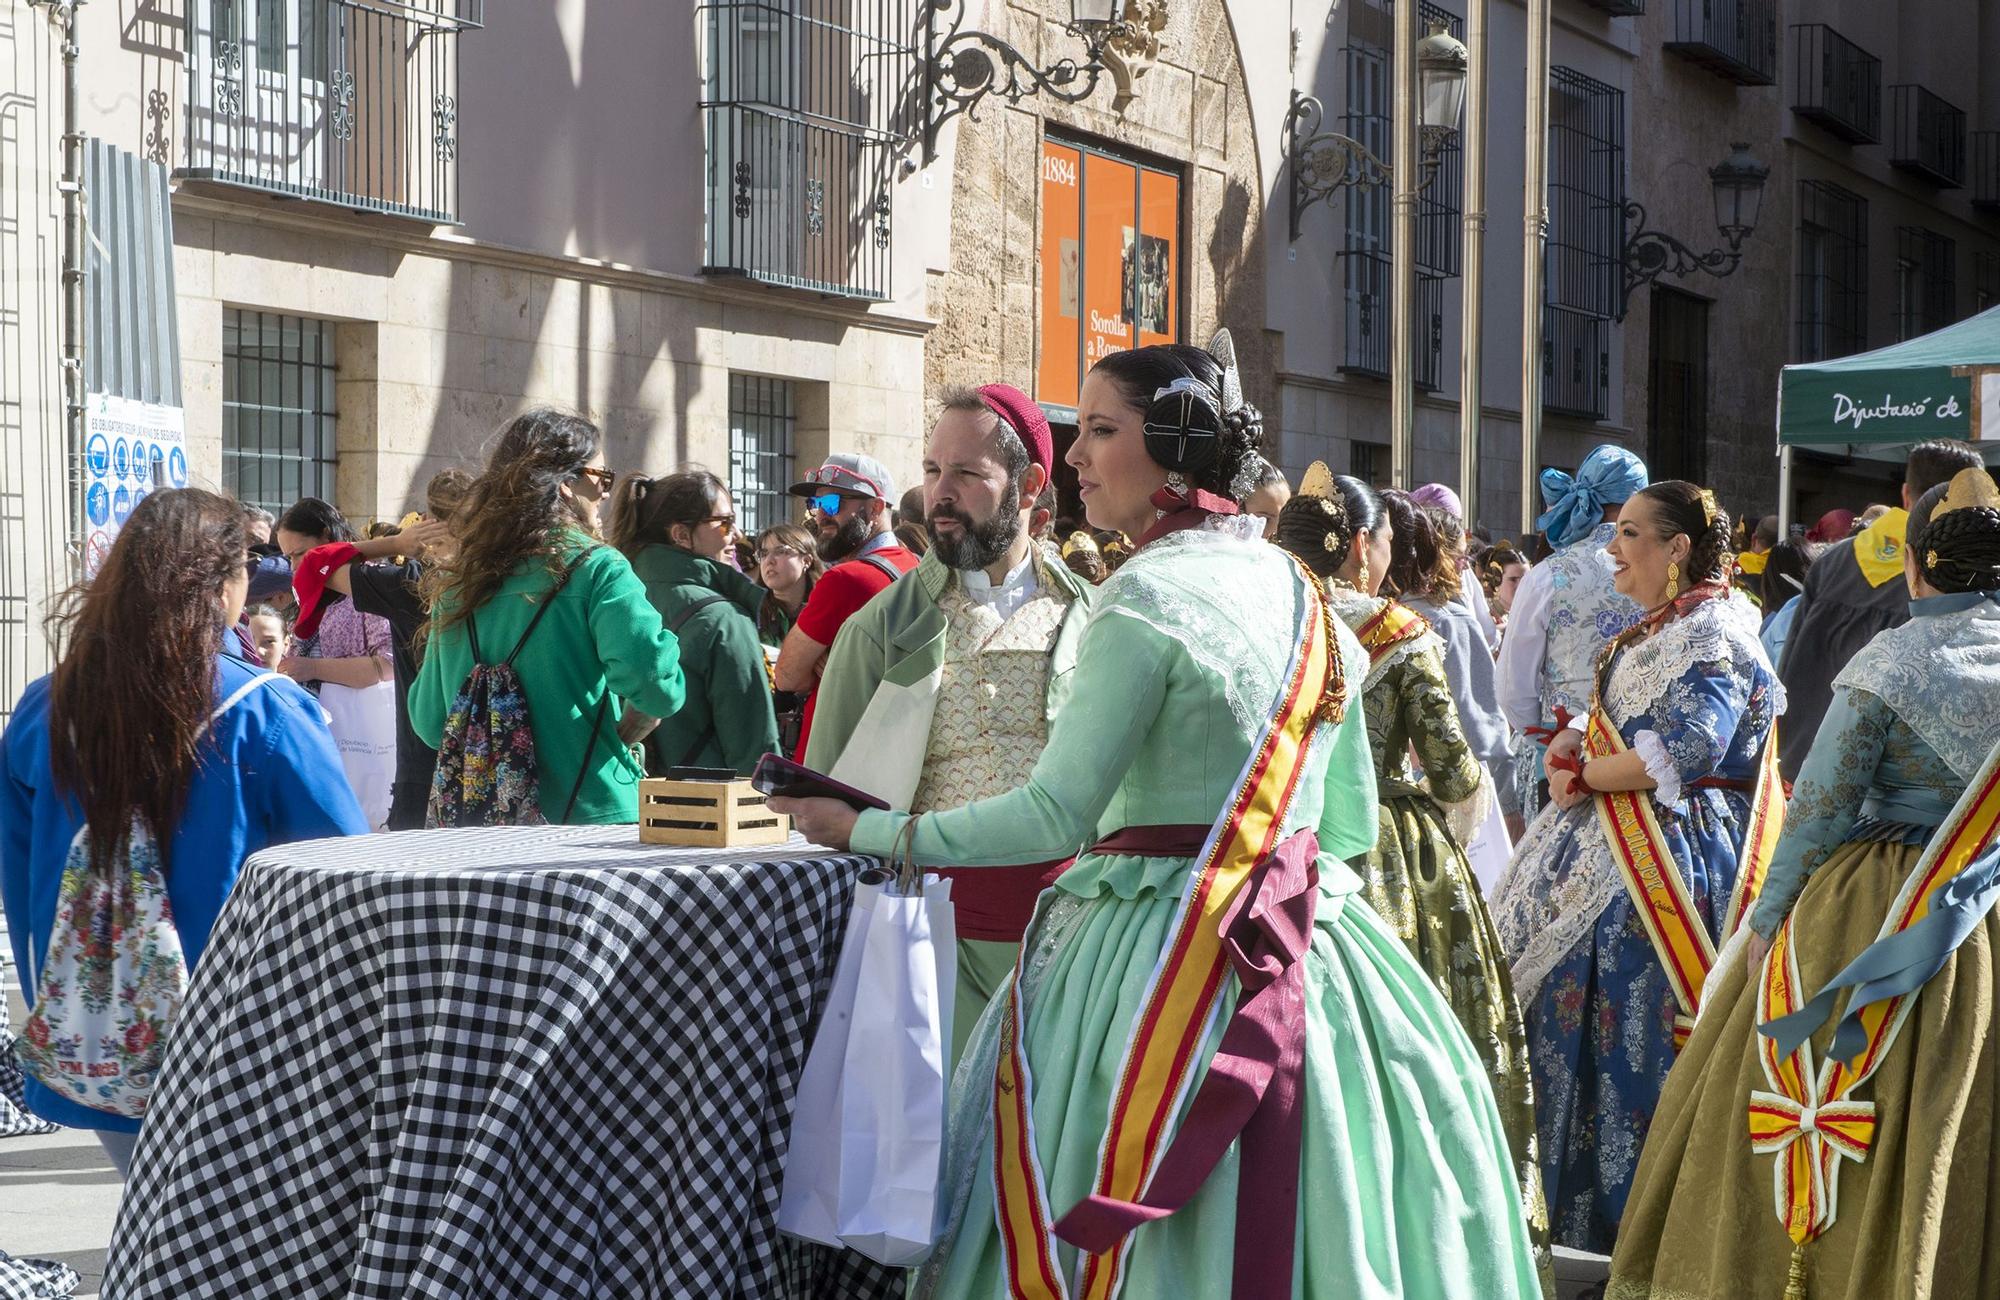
(727,720)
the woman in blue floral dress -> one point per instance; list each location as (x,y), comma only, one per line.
(1693,698)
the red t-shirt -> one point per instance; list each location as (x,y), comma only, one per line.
(838,595)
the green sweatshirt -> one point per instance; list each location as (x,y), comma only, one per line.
(727,720)
(601,633)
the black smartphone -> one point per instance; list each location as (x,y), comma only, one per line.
(775,774)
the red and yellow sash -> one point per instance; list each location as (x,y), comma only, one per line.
(1809,1119)
(1653,880)
(1760,836)
(1388,628)
(1179,1008)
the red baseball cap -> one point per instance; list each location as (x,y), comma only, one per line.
(309,581)
(1025,418)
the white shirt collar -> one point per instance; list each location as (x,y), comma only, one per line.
(982,588)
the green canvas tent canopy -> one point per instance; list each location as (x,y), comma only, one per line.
(1940,385)
(1873,405)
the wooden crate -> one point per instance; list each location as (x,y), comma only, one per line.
(707,814)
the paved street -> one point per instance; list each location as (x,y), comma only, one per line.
(58,1194)
(58,1197)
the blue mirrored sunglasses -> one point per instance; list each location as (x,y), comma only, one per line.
(827,503)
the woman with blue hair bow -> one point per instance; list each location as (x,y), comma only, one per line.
(1566,609)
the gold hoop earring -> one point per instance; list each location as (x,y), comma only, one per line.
(1673,581)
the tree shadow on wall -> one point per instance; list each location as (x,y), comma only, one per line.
(1236,259)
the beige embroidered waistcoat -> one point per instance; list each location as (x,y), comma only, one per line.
(991,722)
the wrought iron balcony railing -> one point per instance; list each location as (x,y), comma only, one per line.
(1367,280)
(1576,363)
(1836,83)
(1737,40)
(347,102)
(1926,136)
(805,111)
(1986,169)
(1618,8)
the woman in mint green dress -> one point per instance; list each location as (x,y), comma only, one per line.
(1403,1174)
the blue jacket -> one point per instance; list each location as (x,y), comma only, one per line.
(278,778)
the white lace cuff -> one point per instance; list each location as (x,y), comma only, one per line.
(1659,766)
(1579,723)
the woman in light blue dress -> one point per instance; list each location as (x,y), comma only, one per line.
(1402,1166)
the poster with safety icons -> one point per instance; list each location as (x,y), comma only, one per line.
(129,449)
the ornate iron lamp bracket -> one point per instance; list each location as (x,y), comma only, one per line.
(965,65)
(1650,254)
(1325,162)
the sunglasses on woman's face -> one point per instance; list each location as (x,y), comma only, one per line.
(728,522)
(599,475)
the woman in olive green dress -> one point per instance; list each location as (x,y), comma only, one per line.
(1417,877)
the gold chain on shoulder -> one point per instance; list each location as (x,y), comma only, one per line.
(1332,705)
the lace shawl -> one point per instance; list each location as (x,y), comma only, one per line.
(1210,590)
(1941,675)
(1563,876)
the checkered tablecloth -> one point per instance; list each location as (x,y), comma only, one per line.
(541,1062)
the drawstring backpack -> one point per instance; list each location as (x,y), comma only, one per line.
(487,774)
(115,975)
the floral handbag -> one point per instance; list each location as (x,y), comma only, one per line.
(112,982)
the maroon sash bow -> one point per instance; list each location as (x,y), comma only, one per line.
(1255,1085)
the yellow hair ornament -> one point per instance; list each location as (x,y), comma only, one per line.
(1970,489)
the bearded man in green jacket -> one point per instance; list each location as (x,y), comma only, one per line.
(940,690)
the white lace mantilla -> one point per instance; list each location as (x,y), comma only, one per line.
(1211,591)
(1354,609)
(1563,875)
(1908,669)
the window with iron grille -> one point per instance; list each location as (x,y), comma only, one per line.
(1368,461)
(763,423)
(1365,257)
(1926,281)
(1582,277)
(1985,281)
(278,417)
(351,102)
(1832,276)
(806,105)
(1986,169)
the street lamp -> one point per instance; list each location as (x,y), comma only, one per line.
(964,65)
(1441,92)
(1738,184)
(1325,162)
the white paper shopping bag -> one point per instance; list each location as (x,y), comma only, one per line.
(865,1162)
(892,1105)
(809,1205)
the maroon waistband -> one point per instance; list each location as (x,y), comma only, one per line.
(993,904)
(1725,783)
(1155,841)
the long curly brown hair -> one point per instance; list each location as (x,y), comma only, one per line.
(513,513)
(135,681)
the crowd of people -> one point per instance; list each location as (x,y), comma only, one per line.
(1562,851)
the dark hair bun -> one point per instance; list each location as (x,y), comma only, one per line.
(1318,531)
(1960,551)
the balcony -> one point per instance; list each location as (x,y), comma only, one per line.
(803,119)
(1836,84)
(1576,363)
(1986,170)
(347,102)
(1737,40)
(1367,279)
(1926,136)
(1617,8)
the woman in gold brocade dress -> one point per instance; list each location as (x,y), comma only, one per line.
(1417,877)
